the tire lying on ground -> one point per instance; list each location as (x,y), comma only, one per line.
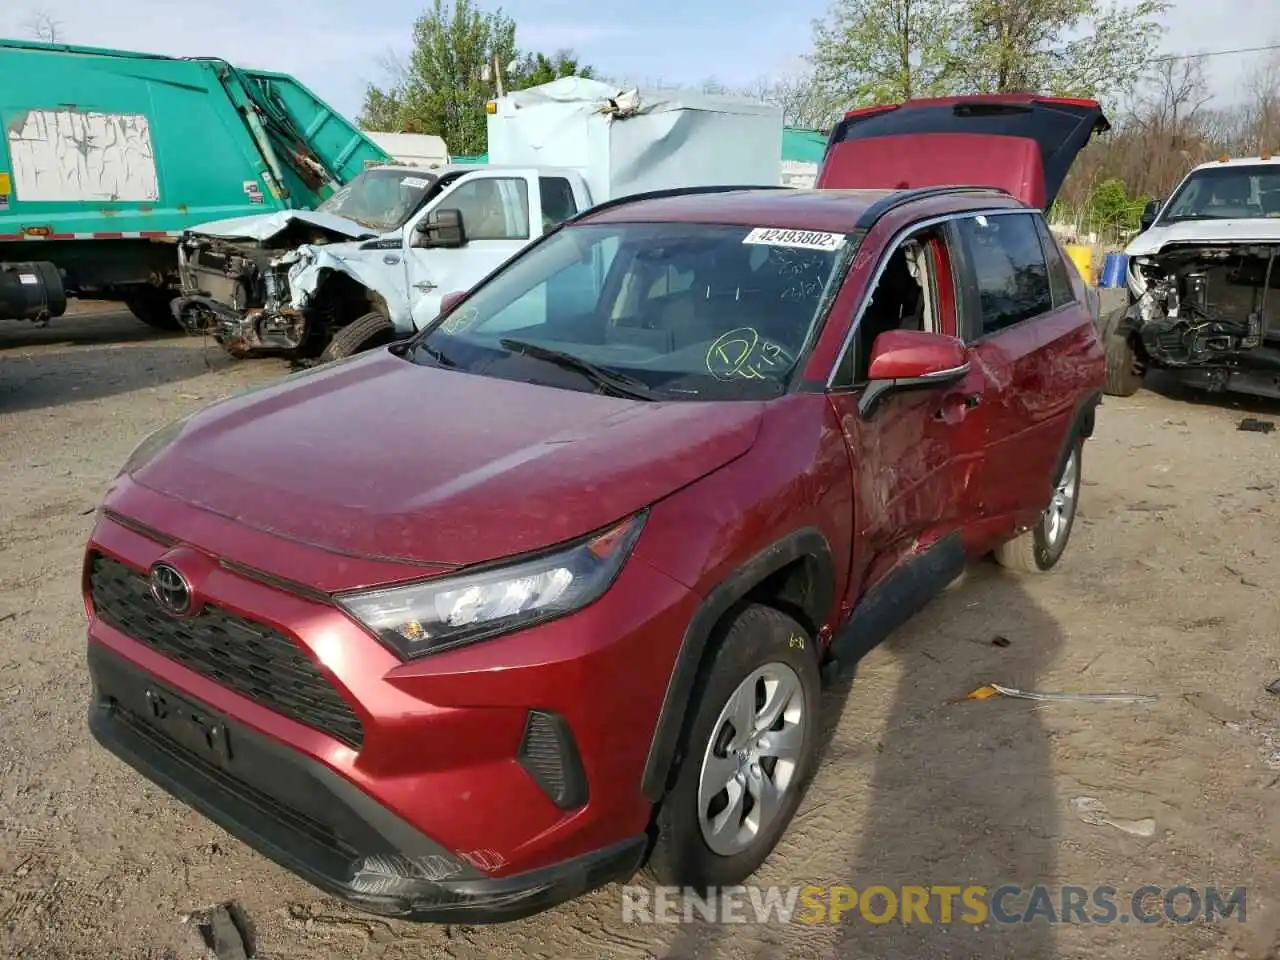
(365,333)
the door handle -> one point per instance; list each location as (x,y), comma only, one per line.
(424,285)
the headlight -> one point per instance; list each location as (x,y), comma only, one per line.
(423,618)
(151,445)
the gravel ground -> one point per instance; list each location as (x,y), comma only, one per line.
(1164,591)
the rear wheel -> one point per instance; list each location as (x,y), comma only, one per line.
(1040,548)
(370,331)
(752,746)
(151,306)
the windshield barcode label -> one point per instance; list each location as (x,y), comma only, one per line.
(802,239)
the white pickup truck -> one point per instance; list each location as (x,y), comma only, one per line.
(371,263)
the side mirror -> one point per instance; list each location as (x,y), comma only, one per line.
(450,300)
(441,229)
(1149,214)
(903,360)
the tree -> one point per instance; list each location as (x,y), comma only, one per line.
(883,50)
(537,68)
(1065,47)
(803,101)
(1113,211)
(871,51)
(442,87)
(43,26)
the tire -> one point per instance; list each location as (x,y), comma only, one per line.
(1040,548)
(151,306)
(1124,369)
(365,333)
(758,643)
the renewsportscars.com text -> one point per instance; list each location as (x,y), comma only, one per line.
(971,904)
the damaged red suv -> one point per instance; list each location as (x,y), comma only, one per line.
(470,625)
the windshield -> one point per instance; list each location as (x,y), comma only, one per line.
(679,310)
(1227,193)
(380,199)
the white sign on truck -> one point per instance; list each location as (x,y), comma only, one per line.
(71,156)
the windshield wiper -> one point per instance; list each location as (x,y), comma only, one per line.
(436,354)
(617,383)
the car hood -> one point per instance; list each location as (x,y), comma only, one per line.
(1019,143)
(1252,230)
(381,458)
(265,226)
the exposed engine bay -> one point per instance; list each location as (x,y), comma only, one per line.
(235,274)
(1208,306)
(238,291)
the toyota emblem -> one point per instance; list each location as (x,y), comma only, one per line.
(171,591)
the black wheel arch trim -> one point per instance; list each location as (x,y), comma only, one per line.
(807,543)
(1081,428)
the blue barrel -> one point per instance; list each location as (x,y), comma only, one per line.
(1114,266)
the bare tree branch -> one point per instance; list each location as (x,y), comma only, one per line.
(43,26)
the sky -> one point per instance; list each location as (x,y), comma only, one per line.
(338,46)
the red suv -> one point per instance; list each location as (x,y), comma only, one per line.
(467,626)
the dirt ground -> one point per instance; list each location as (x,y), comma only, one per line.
(1165,590)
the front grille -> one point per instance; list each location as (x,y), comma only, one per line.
(250,658)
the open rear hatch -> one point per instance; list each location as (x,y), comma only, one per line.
(1020,143)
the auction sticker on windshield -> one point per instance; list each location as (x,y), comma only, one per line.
(800,239)
(415,182)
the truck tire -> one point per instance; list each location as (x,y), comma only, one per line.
(1124,369)
(370,331)
(152,308)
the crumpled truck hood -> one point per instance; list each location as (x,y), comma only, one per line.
(380,458)
(265,226)
(308,265)
(1252,230)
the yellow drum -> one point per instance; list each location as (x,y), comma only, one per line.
(1082,257)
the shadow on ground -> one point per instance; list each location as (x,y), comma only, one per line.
(91,357)
(80,329)
(959,792)
(1167,384)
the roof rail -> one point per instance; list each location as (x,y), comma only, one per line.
(900,197)
(670,192)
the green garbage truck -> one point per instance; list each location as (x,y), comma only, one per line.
(108,156)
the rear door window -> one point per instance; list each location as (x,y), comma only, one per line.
(1059,272)
(1009,269)
(558,204)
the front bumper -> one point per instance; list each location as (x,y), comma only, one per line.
(312,821)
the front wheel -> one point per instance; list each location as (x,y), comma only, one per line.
(1124,369)
(1040,548)
(370,331)
(751,749)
